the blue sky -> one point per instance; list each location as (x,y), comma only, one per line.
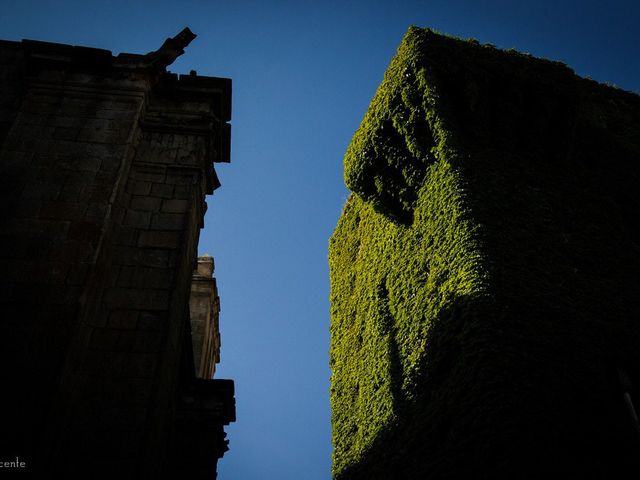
(303,74)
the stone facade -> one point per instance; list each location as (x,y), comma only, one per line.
(204,307)
(105,162)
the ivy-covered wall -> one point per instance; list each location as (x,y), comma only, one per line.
(485,272)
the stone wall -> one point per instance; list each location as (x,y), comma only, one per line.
(105,163)
(204,308)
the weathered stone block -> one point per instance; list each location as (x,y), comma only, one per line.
(41,190)
(63,210)
(138,219)
(152,277)
(146,203)
(126,341)
(99,320)
(162,190)
(78,274)
(103,135)
(103,363)
(175,206)
(159,239)
(80,149)
(95,211)
(182,192)
(79,163)
(154,177)
(136,299)
(151,321)
(178,179)
(110,164)
(113,114)
(12,159)
(100,193)
(71,191)
(139,187)
(123,319)
(122,418)
(141,365)
(63,121)
(104,339)
(168,221)
(148,341)
(84,231)
(125,236)
(21,247)
(145,257)
(66,133)
(62,175)
(72,251)
(134,391)
(26,208)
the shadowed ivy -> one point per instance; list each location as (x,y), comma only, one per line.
(484,271)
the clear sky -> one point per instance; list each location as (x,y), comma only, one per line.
(303,74)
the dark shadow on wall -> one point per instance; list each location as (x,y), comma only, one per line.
(388,330)
(478,412)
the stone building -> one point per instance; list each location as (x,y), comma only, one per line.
(105,162)
(485,295)
(204,308)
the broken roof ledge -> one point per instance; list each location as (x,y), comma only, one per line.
(47,55)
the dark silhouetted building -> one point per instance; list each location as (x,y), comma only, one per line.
(105,163)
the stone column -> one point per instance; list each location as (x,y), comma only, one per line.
(204,308)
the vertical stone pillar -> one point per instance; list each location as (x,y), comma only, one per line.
(204,309)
